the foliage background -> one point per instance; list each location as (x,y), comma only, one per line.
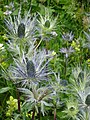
(73,15)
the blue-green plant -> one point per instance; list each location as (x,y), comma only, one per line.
(80,82)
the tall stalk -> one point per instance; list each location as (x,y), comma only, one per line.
(18,96)
(55,114)
(87,116)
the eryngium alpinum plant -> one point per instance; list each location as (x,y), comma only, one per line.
(19,27)
(80,82)
(29,68)
(47,25)
(37,97)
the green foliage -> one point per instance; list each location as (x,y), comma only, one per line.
(5,89)
(41,43)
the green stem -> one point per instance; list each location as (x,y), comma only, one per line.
(65,67)
(38,44)
(18,95)
(30,2)
(87,117)
(48,2)
(55,114)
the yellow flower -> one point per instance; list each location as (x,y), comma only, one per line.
(53,53)
(30,114)
(12,106)
(73,44)
(8,114)
(77,49)
(11,98)
(88,60)
(88,65)
(5,37)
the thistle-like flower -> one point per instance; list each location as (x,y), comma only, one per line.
(72,109)
(36,97)
(47,26)
(19,27)
(21,30)
(67,51)
(81,88)
(21,33)
(29,68)
(68,36)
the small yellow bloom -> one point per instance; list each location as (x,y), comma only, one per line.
(77,49)
(5,37)
(88,65)
(15,100)
(88,60)
(29,115)
(12,106)
(53,53)
(8,114)
(73,44)
(11,98)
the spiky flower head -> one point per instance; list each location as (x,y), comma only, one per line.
(19,27)
(47,25)
(71,110)
(68,36)
(31,69)
(67,51)
(37,97)
(21,30)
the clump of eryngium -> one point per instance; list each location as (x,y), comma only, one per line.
(29,68)
(47,25)
(19,27)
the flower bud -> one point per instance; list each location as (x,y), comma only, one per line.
(21,30)
(87,101)
(47,24)
(30,69)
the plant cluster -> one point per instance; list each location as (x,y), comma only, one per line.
(45,60)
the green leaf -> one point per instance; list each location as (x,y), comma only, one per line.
(5,89)
(1,13)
